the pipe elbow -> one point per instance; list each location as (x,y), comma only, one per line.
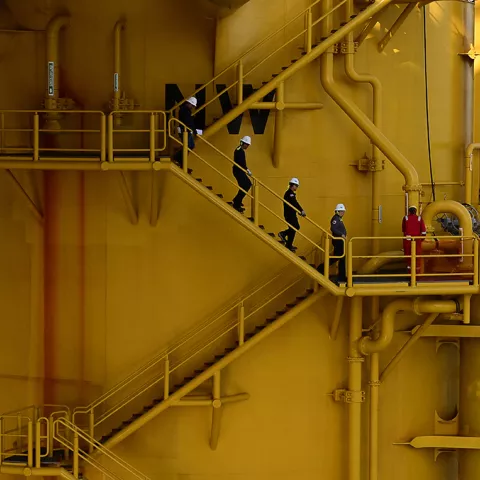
(56,24)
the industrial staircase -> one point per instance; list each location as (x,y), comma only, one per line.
(170,377)
(312,50)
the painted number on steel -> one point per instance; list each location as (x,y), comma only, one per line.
(51,78)
(115,82)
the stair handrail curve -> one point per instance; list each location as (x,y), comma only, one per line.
(167,353)
(73,445)
(327,237)
(306,31)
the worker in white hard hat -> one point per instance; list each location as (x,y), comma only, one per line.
(413,226)
(339,231)
(241,173)
(185,116)
(290,208)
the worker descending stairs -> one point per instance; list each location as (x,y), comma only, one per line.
(241,173)
(290,214)
(185,116)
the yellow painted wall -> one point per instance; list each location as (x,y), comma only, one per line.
(117,293)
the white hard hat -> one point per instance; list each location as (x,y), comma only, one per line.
(340,208)
(246,139)
(192,101)
(294,181)
(413,206)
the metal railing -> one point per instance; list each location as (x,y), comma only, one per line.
(241,68)
(462,264)
(81,445)
(36,135)
(259,189)
(155,130)
(156,377)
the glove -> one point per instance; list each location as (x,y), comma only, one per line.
(303,214)
(249,172)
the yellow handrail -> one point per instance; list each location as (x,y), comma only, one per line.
(78,435)
(239,59)
(173,123)
(470,270)
(201,338)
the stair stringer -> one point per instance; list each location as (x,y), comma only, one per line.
(258,232)
(208,373)
(331,40)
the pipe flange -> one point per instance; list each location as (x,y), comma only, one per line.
(416,306)
(355,359)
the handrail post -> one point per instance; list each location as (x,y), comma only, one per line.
(152,137)
(326,259)
(50,437)
(241,323)
(110,137)
(103,139)
(475,262)
(19,435)
(30,443)
(38,443)
(413,263)
(91,428)
(185,150)
(256,203)
(75,455)
(308,33)
(36,137)
(240,82)
(166,379)
(349,263)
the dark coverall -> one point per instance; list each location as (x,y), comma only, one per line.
(338,229)
(243,181)
(413,226)
(290,216)
(186,117)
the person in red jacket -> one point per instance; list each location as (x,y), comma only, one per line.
(413,226)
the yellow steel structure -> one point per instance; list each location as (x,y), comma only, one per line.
(101,310)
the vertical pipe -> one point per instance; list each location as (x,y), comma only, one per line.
(36,137)
(217,412)
(476,280)
(355,361)
(91,428)
(374,385)
(119,26)
(53,81)
(241,324)
(468,89)
(308,36)
(466,308)
(166,379)
(279,122)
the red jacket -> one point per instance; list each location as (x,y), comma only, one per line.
(413,225)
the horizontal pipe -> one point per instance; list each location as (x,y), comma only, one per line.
(446,288)
(369,345)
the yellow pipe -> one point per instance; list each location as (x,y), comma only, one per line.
(369,345)
(469,171)
(217,412)
(408,344)
(429,289)
(119,26)
(302,62)
(374,385)
(355,361)
(279,121)
(464,219)
(412,184)
(53,29)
